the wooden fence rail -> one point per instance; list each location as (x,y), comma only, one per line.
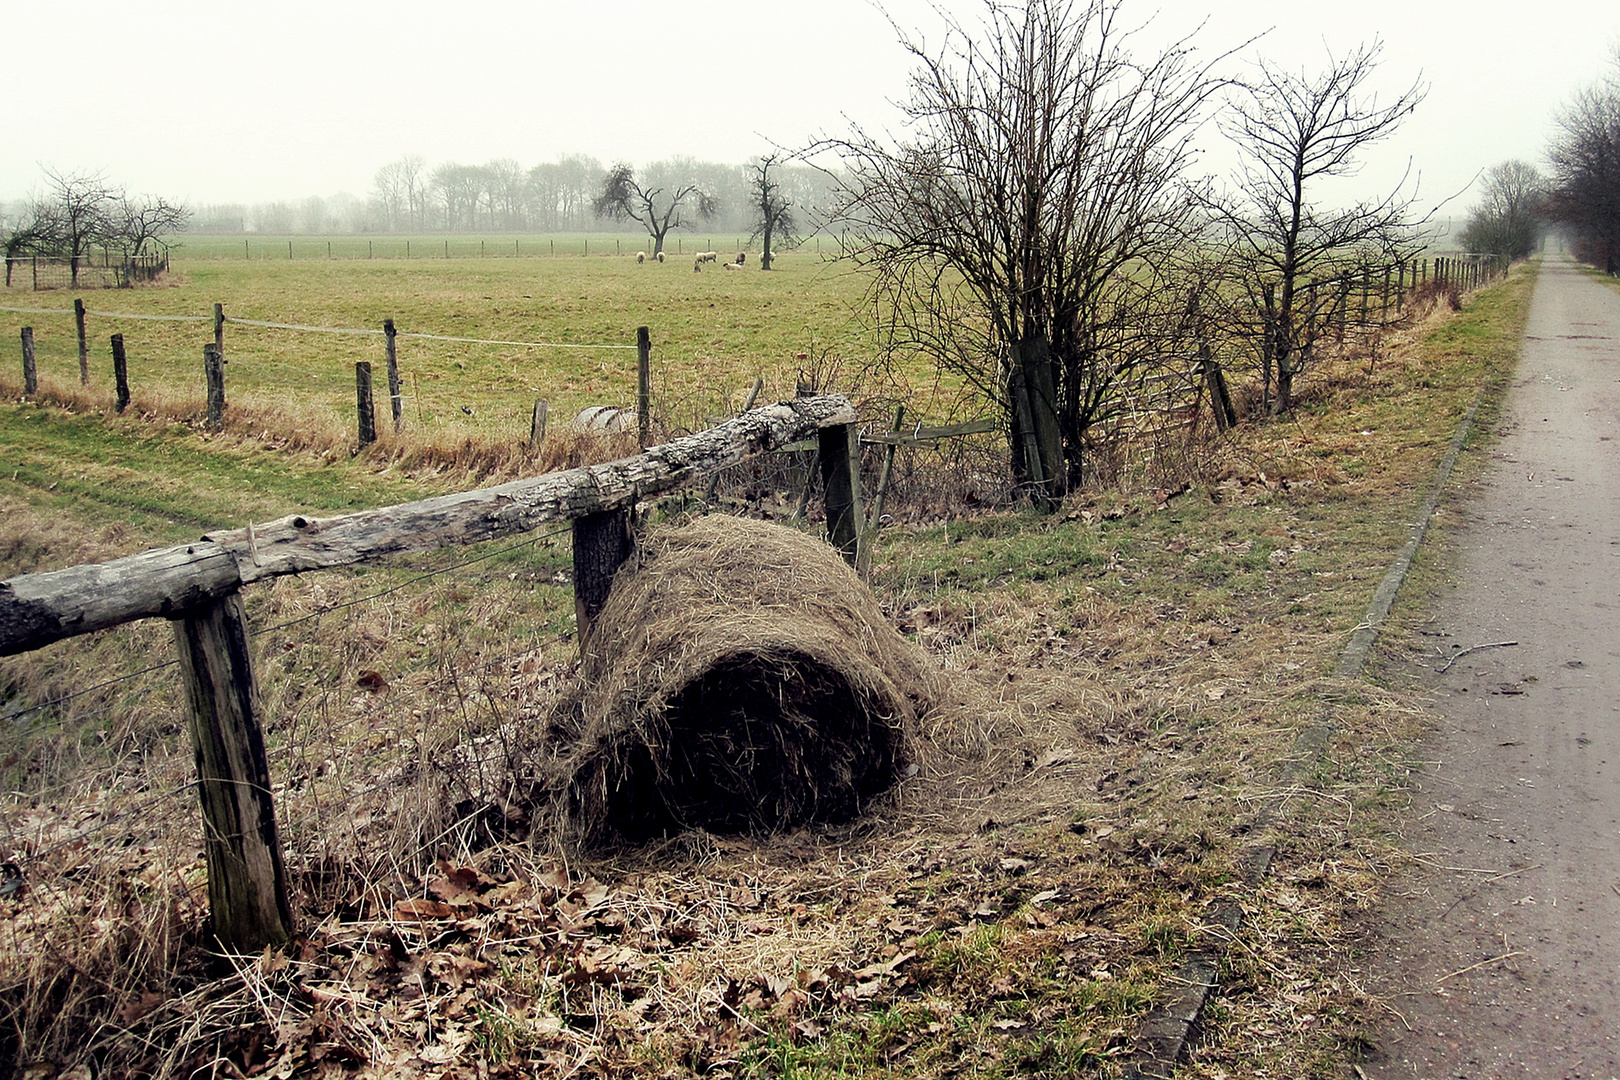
(198,587)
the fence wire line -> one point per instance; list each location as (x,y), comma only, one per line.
(417,336)
(38,311)
(530,542)
(13,717)
(108,822)
(17,716)
(149,318)
(313,329)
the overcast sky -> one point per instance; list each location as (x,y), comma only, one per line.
(224,101)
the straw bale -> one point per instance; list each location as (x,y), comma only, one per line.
(740,678)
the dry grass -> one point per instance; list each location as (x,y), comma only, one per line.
(1121,682)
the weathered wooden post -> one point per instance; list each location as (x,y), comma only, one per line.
(602,542)
(247,885)
(537,425)
(644,385)
(840,451)
(84,345)
(219,328)
(365,407)
(30,369)
(214,372)
(396,401)
(120,371)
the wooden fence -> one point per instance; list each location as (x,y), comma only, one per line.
(198,588)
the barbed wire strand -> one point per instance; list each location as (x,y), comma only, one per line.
(18,715)
(529,542)
(305,328)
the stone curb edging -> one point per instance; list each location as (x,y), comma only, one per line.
(1162,1037)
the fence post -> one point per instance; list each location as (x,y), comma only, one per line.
(537,424)
(365,408)
(120,371)
(219,328)
(214,372)
(395,401)
(644,385)
(841,477)
(247,885)
(30,370)
(84,345)
(602,543)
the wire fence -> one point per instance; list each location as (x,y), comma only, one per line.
(392,683)
(458,391)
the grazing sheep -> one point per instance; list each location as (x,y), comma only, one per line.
(742,257)
(641,257)
(660,256)
(599,419)
(697,266)
(707,256)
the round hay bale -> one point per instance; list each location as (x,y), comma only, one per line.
(739,678)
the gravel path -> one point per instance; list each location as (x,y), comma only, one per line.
(1502,954)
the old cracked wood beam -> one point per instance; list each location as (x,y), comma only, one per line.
(36,609)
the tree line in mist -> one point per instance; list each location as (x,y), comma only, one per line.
(410,195)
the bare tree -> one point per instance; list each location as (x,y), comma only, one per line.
(32,230)
(145,220)
(773,212)
(659,207)
(1585,158)
(1295,130)
(84,208)
(459,188)
(1508,217)
(507,194)
(391,187)
(1022,231)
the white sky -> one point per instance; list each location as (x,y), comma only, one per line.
(226,101)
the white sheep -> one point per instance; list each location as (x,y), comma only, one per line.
(707,256)
(733,266)
(641,257)
(660,256)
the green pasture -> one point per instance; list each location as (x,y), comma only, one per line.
(560,329)
(273,247)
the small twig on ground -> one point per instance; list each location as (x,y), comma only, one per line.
(1482,963)
(1474,648)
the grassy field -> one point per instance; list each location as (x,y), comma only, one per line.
(713,333)
(1126,677)
(465,246)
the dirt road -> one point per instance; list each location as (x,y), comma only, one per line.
(1502,955)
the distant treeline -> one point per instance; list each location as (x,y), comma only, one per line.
(502,196)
